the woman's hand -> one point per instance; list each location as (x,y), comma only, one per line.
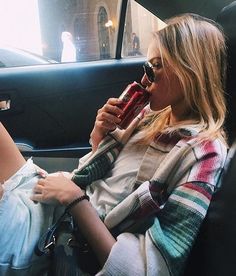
(56,188)
(40,171)
(106,121)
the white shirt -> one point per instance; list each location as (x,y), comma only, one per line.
(119,182)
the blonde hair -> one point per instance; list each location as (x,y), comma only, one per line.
(194,48)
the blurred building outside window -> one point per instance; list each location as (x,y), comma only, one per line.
(75,30)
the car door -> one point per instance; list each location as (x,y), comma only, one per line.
(50,108)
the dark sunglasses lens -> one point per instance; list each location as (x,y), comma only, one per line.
(149,72)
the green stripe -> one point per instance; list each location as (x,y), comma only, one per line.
(183,235)
(105,141)
(100,164)
(192,198)
(174,237)
(93,171)
(185,230)
(114,153)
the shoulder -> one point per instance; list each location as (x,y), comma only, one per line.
(207,149)
(208,152)
(191,137)
(200,148)
(206,146)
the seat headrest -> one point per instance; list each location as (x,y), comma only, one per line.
(227,19)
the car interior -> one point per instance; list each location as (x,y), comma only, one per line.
(51,109)
(214,251)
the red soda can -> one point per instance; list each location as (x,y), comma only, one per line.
(134,98)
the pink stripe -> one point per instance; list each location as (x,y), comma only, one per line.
(207,164)
(199,189)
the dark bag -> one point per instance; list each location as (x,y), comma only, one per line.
(69,252)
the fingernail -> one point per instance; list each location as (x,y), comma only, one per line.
(42,174)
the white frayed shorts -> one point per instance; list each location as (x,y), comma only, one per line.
(22,222)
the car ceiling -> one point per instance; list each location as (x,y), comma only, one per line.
(168,8)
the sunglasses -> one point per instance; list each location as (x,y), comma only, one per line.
(148,70)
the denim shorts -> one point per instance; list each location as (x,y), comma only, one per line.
(22,222)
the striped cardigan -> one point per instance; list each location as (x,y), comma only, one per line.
(174,187)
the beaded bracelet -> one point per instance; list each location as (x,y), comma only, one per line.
(74,202)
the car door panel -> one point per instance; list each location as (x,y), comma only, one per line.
(54,106)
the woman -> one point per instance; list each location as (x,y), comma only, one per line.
(152,182)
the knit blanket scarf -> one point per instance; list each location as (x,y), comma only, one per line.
(175,199)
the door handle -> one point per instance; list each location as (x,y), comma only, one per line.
(5,105)
(5,102)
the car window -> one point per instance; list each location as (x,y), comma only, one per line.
(139,25)
(63,31)
(46,31)
(79,30)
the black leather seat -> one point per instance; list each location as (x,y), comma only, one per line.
(214,253)
(227,19)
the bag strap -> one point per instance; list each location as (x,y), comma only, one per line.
(47,241)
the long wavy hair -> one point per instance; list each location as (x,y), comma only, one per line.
(194,48)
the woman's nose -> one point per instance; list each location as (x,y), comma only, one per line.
(144,81)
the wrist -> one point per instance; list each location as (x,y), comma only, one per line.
(96,137)
(71,195)
(76,201)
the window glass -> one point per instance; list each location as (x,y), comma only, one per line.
(57,30)
(139,25)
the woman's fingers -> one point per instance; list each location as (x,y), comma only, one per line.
(106,121)
(38,189)
(41,190)
(55,188)
(111,107)
(43,199)
(107,116)
(37,197)
(114,101)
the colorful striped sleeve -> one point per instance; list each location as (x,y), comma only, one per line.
(172,234)
(177,224)
(177,209)
(98,164)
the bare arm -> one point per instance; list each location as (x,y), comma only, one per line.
(11,159)
(61,189)
(93,229)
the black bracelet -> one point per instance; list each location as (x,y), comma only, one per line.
(74,202)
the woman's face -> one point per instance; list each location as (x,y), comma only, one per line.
(166,89)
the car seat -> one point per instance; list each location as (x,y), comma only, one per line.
(214,252)
(227,19)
